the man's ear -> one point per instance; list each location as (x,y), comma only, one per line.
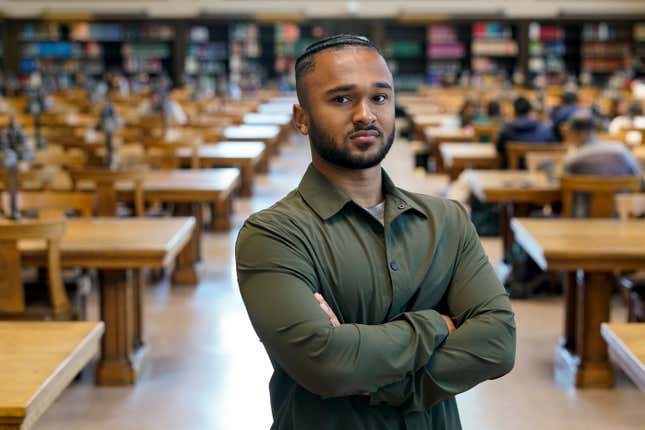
(300,119)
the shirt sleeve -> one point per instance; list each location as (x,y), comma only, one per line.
(277,281)
(482,347)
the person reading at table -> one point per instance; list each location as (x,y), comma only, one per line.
(375,305)
(593,156)
(523,128)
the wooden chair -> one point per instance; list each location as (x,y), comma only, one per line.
(12,294)
(56,203)
(164,155)
(33,179)
(57,156)
(600,192)
(486,132)
(550,162)
(633,285)
(106,188)
(515,151)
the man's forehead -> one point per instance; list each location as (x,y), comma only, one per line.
(349,66)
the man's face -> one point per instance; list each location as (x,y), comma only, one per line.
(349,108)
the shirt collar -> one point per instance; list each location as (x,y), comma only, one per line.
(327,200)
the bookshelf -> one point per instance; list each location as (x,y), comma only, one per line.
(446,52)
(605,49)
(494,49)
(405,50)
(639,48)
(64,49)
(547,49)
(207,51)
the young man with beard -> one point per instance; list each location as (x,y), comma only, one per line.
(375,305)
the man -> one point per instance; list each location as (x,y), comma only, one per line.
(375,305)
(594,157)
(562,113)
(524,128)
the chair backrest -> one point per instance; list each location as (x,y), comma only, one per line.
(164,155)
(71,159)
(549,162)
(32,179)
(12,295)
(515,151)
(630,205)
(486,132)
(593,196)
(106,192)
(56,203)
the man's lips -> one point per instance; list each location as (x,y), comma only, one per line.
(364,137)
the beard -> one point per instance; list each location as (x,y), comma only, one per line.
(330,150)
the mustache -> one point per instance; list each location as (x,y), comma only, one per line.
(367,128)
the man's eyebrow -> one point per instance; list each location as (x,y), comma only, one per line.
(383,85)
(350,87)
(341,88)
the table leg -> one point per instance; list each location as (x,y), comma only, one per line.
(263,163)
(588,364)
(119,362)
(221,219)
(185,272)
(138,291)
(505,216)
(246,172)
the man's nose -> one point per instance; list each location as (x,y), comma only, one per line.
(363,114)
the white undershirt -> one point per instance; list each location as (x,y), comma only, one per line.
(378,212)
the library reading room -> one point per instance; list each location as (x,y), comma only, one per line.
(322,215)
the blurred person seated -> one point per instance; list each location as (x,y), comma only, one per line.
(595,157)
(469,111)
(493,114)
(562,113)
(524,128)
(626,120)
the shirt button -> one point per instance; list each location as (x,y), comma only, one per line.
(394,266)
(401,206)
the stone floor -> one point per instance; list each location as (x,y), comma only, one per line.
(206,369)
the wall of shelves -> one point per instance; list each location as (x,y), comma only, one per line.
(250,53)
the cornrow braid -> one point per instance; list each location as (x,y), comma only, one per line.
(338,40)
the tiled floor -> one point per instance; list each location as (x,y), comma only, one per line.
(206,369)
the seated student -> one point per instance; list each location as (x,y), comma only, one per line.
(594,157)
(622,122)
(469,111)
(563,112)
(524,128)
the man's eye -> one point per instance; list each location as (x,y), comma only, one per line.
(380,98)
(341,99)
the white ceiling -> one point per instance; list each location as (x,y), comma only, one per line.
(321,8)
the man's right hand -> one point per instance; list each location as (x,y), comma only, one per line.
(449,323)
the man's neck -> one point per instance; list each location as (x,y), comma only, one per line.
(363,186)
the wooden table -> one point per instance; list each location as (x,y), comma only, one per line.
(269,134)
(279,119)
(38,360)
(115,246)
(273,108)
(246,156)
(598,247)
(626,343)
(513,191)
(458,156)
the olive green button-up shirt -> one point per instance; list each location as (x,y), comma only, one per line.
(388,284)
